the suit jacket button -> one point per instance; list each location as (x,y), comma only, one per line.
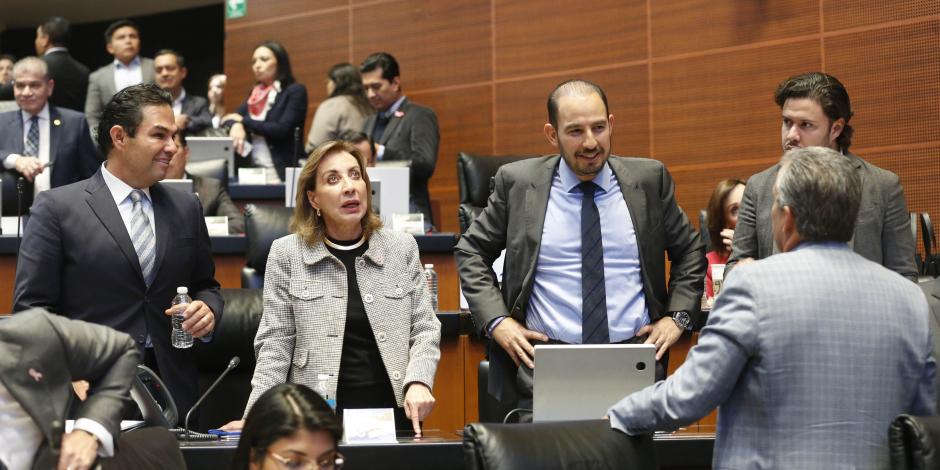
(380,336)
(361,262)
(396,375)
(367,298)
(398,291)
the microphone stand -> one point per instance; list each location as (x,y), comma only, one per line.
(231,365)
(20,185)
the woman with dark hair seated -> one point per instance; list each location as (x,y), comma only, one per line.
(292,427)
(722,217)
(346,301)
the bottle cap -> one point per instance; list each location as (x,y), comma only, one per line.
(429,266)
(182,290)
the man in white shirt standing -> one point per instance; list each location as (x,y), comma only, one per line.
(46,145)
(122,39)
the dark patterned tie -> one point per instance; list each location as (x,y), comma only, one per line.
(594,328)
(381,122)
(32,137)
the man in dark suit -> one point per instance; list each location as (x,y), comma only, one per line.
(122,39)
(58,150)
(401,130)
(215,199)
(70,75)
(112,249)
(816,111)
(192,112)
(604,283)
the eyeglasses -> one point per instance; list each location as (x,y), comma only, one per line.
(334,462)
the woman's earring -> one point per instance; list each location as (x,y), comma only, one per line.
(318,212)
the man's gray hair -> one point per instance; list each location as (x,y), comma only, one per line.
(31,64)
(823,190)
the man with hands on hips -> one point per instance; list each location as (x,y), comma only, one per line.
(602,282)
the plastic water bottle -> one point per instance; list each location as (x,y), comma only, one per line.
(180,338)
(323,388)
(431,275)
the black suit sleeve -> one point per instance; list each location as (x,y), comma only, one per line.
(422,146)
(39,264)
(199,116)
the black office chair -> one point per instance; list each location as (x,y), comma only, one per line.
(554,445)
(475,179)
(913,441)
(931,262)
(216,168)
(8,196)
(490,409)
(263,225)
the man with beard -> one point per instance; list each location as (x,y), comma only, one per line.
(815,112)
(602,283)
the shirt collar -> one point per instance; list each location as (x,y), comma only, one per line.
(569,180)
(394,107)
(133,65)
(119,189)
(182,96)
(43,114)
(55,49)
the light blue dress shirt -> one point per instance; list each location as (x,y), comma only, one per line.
(555,304)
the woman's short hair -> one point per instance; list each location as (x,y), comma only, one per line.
(280,412)
(715,214)
(305,222)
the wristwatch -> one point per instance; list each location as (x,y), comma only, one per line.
(682,318)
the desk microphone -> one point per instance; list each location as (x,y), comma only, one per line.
(20,187)
(231,365)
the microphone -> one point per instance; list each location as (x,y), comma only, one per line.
(231,365)
(55,444)
(20,186)
(297,145)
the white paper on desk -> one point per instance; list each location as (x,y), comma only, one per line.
(217,225)
(408,223)
(369,426)
(497,268)
(252,176)
(126,425)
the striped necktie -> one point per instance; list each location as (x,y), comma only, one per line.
(142,236)
(594,329)
(32,138)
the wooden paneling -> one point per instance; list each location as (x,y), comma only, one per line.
(550,36)
(853,13)
(721,108)
(682,26)
(448,391)
(437,44)
(521,111)
(7,280)
(694,184)
(892,78)
(275,11)
(466,123)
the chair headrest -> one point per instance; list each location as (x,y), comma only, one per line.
(263,225)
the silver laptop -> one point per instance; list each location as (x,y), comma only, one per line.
(581,381)
(212,148)
(181,185)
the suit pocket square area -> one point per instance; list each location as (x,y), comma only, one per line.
(35,374)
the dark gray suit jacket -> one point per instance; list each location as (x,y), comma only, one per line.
(197,108)
(882,229)
(412,135)
(932,291)
(77,260)
(41,354)
(515,216)
(216,202)
(101,88)
(71,80)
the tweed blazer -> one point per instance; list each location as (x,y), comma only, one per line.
(304,319)
(809,356)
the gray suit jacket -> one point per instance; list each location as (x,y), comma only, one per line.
(304,319)
(514,218)
(334,116)
(101,88)
(809,355)
(197,108)
(41,354)
(412,134)
(77,260)
(216,202)
(932,291)
(882,229)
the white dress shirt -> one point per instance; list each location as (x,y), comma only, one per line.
(121,192)
(42,180)
(127,75)
(21,436)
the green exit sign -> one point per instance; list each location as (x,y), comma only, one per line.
(235,9)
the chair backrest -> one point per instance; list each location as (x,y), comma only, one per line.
(931,264)
(475,179)
(555,445)
(217,168)
(489,408)
(912,442)
(263,225)
(8,196)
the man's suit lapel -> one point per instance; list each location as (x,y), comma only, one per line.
(866,200)
(102,204)
(634,197)
(55,143)
(163,218)
(536,203)
(394,121)
(109,86)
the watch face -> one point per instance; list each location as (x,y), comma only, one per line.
(682,319)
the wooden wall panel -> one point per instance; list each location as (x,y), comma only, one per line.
(541,36)
(892,79)
(276,11)
(854,13)
(437,44)
(521,111)
(720,107)
(682,26)
(466,123)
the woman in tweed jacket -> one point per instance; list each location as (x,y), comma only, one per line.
(345,298)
